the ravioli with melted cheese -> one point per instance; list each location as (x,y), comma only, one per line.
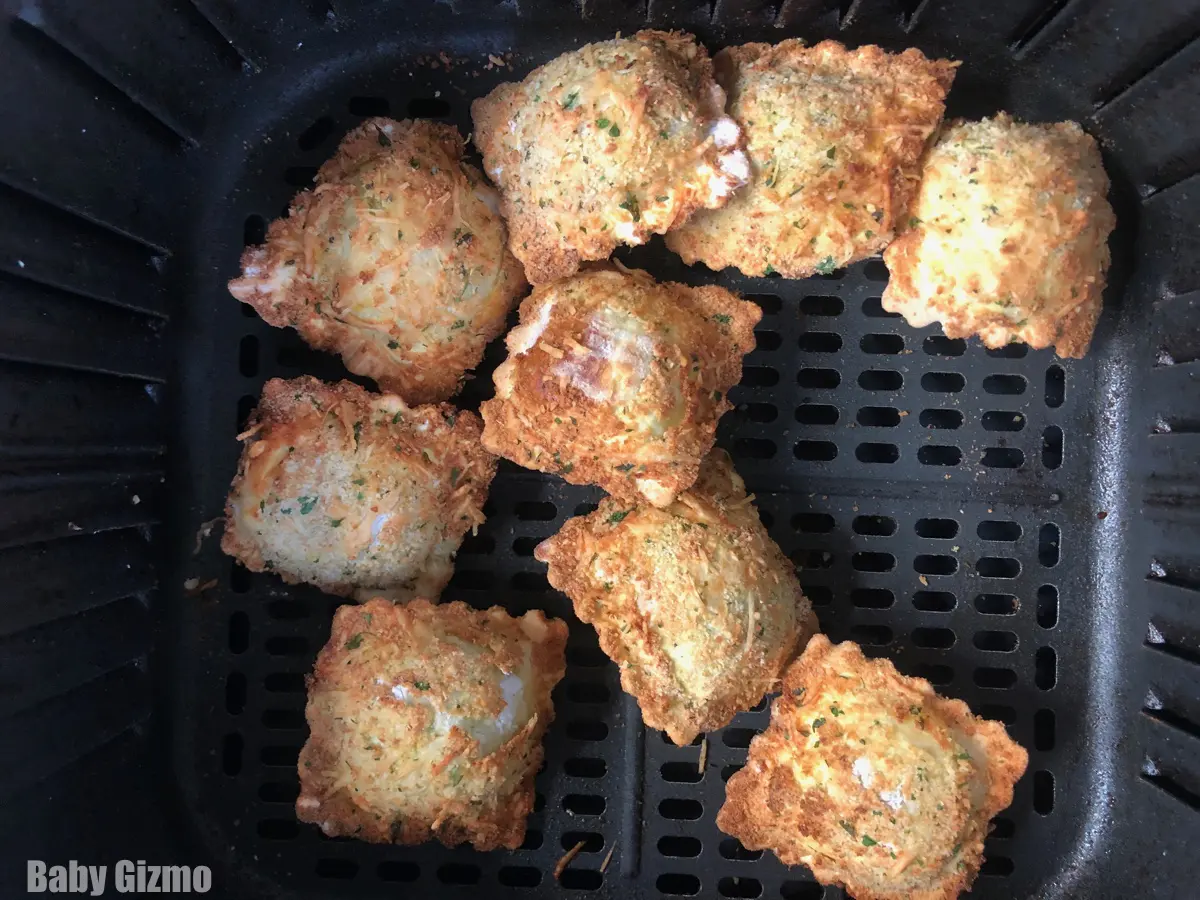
(427,722)
(354,492)
(396,260)
(835,138)
(608,145)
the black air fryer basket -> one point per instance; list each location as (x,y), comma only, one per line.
(1021,530)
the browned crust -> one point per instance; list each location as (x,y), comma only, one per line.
(563,189)
(543,420)
(290,414)
(492,817)
(640,606)
(1053,262)
(764,811)
(806,211)
(395,190)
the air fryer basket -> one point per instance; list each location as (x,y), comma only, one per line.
(1021,530)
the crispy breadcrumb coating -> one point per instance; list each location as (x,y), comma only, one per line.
(396,260)
(607,145)
(427,721)
(355,492)
(835,138)
(696,604)
(616,380)
(872,780)
(1008,238)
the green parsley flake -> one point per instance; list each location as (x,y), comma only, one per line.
(307,504)
(722,318)
(818,722)
(831,153)
(869,841)
(836,710)
(421,685)
(458,323)
(603,124)
(849,829)
(618,516)
(336,523)
(355,642)
(572,100)
(826,266)
(630,205)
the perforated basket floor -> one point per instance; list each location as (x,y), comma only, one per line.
(998,522)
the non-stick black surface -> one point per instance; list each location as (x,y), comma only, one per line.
(1018,529)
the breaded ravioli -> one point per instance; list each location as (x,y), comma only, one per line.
(607,145)
(355,492)
(696,604)
(872,780)
(835,138)
(427,721)
(616,380)
(1008,238)
(396,260)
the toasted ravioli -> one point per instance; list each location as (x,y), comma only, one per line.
(427,721)
(695,603)
(835,138)
(616,380)
(396,260)
(1008,238)
(355,492)
(607,145)
(872,780)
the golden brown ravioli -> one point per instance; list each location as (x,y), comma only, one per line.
(872,780)
(608,145)
(355,492)
(1008,238)
(396,260)
(616,380)
(427,721)
(695,602)
(835,138)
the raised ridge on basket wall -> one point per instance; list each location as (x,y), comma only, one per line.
(133,53)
